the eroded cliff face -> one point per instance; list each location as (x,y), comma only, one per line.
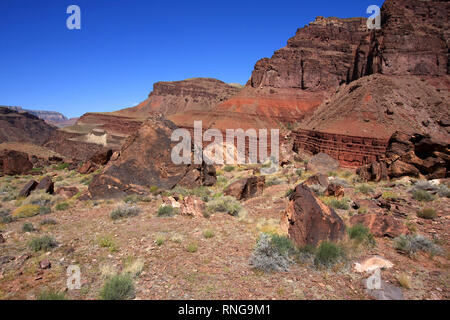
(168,98)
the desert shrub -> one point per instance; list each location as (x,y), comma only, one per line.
(133,198)
(119,287)
(51,295)
(4,212)
(228,168)
(362,210)
(166,211)
(332,174)
(306,253)
(424,185)
(133,267)
(411,244)
(28,227)
(192,247)
(124,211)
(48,222)
(271,255)
(159,241)
(443,191)
(361,234)
(61,166)
(389,195)
(328,254)
(26,211)
(404,280)
(283,244)
(40,197)
(338,204)
(299,172)
(44,243)
(208,233)
(274,182)
(225,204)
(154,190)
(317,189)
(364,189)
(202,192)
(62,206)
(43,210)
(8,219)
(107,242)
(427,213)
(422,195)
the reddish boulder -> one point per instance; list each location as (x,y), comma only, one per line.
(88,167)
(380,225)
(192,206)
(46,184)
(15,162)
(2,240)
(335,190)
(322,163)
(67,192)
(30,186)
(375,171)
(101,158)
(246,188)
(308,221)
(45,264)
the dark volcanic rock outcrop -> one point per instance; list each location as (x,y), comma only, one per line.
(145,161)
(410,155)
(309,221)
(246,188)
(14,162)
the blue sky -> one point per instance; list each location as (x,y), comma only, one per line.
(124,46)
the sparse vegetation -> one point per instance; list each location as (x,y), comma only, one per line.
(361,234)
(44,243)
(364,189)
(271,253)
(107,242)
(26,211)
(28,227)
(228,168)
(51,295)
(62,206)
(411,244)
(124,211)
(225,204)
(119,287)
(422,195)
(299,172)
(208,233)
(335,203)
(48,222)
(166,211)
(389,195)
(328,254)
(427,213)
(192,247)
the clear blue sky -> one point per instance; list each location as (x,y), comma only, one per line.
(124,46)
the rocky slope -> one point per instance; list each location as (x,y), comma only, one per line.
(23,127)
(51,117)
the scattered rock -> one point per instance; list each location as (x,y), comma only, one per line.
(308,221)
(376,171)
(14,162)
(45,264)
(46,184)
(67,192)
(192,206)
(101,158)
(322,163)
(88,167)
(380,225)
(317,179)
(2,240)
(30,186)
(335,190)
(246,188)
(372,264)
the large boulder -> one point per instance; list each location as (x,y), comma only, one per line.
(14,162)
(67,192)
(46,184)
(322,163)
(101,158)
(410,155)
(309,221)
(380,225)
(145,161)
(26,190)
(246,188)
(317,179)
